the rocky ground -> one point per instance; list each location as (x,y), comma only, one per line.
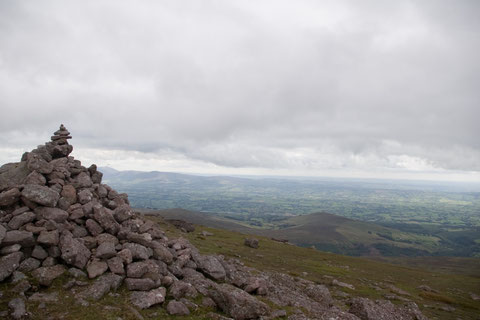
(58,221)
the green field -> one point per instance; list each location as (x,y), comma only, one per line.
(421,218)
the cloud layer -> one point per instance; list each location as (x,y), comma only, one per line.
(276,85)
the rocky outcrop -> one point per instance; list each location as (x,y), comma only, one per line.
(58,220)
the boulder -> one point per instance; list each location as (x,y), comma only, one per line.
(49,238)
(9,197)
(251,242)
(101,286)
(21,219)
(82,180)
(176,308)
(73,251)
(105,218)
(237,303)
(146,284)
(46,275)
(41,195)
(106,250)
(93,227)
(35,178)
(23,238)
(122,213)
(54,214)
(367,309)
(115,265)
(137,269)
(161,253)
(180,289)
(144,300)
(96,268)
(211,267)
(85,196)
(138,251)
(9,263)
(29,264)
(3,233)
(69,193)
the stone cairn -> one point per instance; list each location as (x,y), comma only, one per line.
(58,219)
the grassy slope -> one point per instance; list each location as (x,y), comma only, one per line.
(308,263)
(322,230)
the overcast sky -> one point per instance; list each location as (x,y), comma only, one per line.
(322,88)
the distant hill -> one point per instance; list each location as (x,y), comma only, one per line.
(324,231)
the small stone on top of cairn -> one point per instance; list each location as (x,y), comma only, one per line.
(59,146)
(60,136)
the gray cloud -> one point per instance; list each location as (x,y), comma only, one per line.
(265,84)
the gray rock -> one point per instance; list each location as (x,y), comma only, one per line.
(46,275)
(161,253)
(3,233)
(9,197)
(23,238)
(140,284)
(13,174)
(251,242)
(180,289)
(101,286)
(29,264)
(49,262)
(10,249)
(73,251)
(49,238)
(96,268)
(122,213)
(257,285)
(105,218)
(69,193)
(211,267)
(137,269)
(93,227)
(18,308)
(20,220)
(36,163)
(39,253)
(106,237)
(55,214)
(125,255)
(237,303)
(144,300)
(138,251)
(83,180)
(77,273)
(106,250)
(115,265)
(79,232)
(9,263)
(320,293)
(41,195)
(35,178)
(367,309)
(85,196)
(177,308)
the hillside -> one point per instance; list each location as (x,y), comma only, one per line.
(326,232)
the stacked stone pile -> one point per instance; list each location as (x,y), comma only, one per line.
(58,219)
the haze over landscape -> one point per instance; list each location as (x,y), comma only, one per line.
(305,88)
